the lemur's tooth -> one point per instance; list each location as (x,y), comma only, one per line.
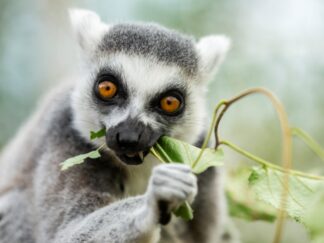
(141,155)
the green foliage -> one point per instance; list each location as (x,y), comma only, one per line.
(184,211)
(247,211)
(79,159)
(98,134)
(242,201)
(173,150)
(269,185)
(314,216)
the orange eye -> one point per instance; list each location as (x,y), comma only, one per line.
(170,104)
(107,90)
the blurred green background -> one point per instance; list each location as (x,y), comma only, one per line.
(276,44)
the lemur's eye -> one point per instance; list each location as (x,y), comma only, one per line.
(170,104)
(106,89)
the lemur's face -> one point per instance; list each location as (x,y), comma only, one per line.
(140,82)
(137,100)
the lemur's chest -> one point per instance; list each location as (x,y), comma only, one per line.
(139,175)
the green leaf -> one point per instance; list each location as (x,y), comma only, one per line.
(184,211)
(176,151)
(210,158)
(242,202)
(268,185)
(98,134)
(79,159)
(314,217)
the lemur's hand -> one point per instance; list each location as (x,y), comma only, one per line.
(170,186)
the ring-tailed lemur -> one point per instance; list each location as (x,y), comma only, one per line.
(139,82)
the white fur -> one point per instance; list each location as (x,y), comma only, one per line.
(88,29)
(212,51)
(144,76)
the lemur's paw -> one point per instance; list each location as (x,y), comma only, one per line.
(172,184)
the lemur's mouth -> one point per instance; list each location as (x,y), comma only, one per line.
(134,158)
(139,154)
(131,140)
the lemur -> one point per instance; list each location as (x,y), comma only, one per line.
(139,81)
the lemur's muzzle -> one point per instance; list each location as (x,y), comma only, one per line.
(131,140)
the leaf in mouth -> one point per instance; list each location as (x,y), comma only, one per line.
(98,134)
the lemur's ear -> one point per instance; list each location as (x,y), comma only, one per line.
(211,52)
(87,27)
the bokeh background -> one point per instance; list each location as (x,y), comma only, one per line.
(276,44)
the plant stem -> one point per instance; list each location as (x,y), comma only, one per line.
(101,146)
(287,145)
(152,150)
(268,164)
(309,141)
(210,131)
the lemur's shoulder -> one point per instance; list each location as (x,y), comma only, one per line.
(51,122)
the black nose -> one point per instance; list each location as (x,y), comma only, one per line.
(129,136)
(131,139)
(128,139)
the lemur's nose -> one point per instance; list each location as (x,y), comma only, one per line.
(128,136)
(126,139)
(131,140)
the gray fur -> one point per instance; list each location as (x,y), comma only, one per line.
(70,206)
(152,40)
(104,200)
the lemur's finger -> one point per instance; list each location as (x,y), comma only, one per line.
(172,195)
(174,166)
(187,190)
(186,178)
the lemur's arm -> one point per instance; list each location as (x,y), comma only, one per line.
(128,220)
(73,211)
